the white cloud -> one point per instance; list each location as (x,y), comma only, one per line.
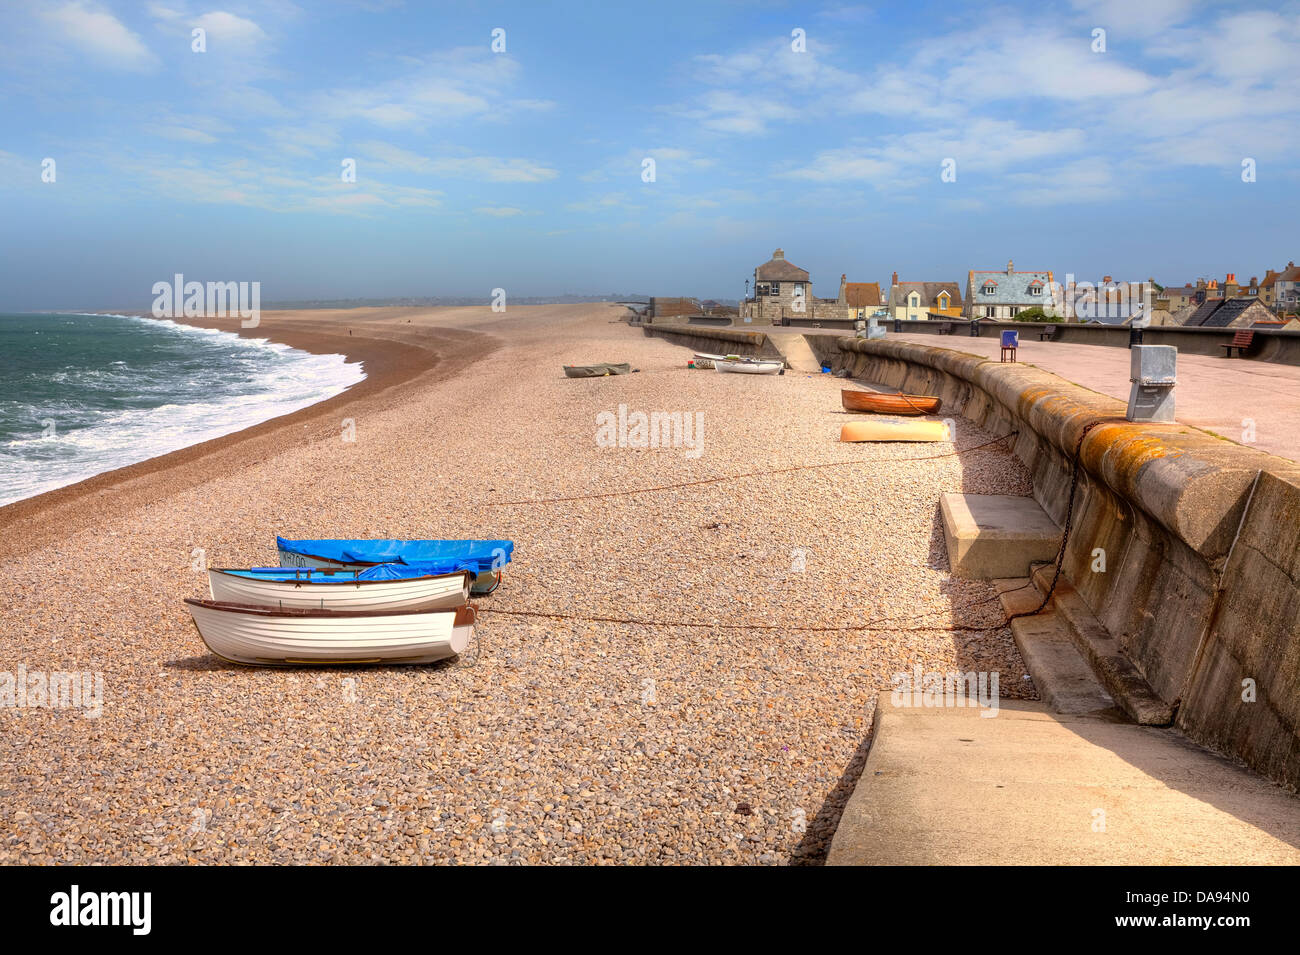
(490,168)
(101,35)
(225,27)
(185,134)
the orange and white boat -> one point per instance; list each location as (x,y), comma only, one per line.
(880,403)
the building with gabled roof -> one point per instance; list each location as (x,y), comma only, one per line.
(861,299)
(1002,294)
(917,301)
(1228,313)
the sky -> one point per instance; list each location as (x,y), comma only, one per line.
(506,145)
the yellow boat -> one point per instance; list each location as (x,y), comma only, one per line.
(894,429)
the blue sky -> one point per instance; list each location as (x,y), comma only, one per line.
(523,169)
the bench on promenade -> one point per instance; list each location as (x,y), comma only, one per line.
(1240,341)
(1047,334)
(945,328)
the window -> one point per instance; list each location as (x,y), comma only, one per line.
(1035,289)
(775,290)
(990,311)
(990,287)
(943,299)
(914,300)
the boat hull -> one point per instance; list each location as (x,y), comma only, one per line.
(749,367)
(418,593)
(597,371)
(261,636)
(876,403)
(484,582)
(894,429)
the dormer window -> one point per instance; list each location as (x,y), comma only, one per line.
(990,287)
(1035,287)
(914,300)
(943,299)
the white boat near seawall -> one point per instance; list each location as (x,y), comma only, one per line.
(338,591)
(264,636)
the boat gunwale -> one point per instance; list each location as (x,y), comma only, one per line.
(338,583)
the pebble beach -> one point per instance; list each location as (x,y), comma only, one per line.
(720,712)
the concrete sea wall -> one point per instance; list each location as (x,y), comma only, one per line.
(1200,536)
(715,341)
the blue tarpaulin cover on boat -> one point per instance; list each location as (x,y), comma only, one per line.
(378,572)
(447,555)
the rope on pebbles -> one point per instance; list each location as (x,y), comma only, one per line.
(872,625)
(736,477)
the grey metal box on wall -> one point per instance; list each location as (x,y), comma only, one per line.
(1153,364)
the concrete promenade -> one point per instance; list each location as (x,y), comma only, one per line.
(1214,394)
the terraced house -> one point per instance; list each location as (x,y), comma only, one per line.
(1002,294)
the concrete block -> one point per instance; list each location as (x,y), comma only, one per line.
(943,786)
(1062,677)
(996,535)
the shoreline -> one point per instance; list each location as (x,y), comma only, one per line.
(387,363)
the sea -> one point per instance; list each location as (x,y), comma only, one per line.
(81,394)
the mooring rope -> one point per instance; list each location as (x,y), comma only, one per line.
(1065,535)
(747,474)
(871,625)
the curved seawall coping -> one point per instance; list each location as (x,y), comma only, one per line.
(1200,537)
(712,340)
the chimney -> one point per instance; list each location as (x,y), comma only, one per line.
(779,254)
(1010,266)
(1106,280)
(895,279)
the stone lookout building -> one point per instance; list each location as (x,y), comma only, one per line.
(780,288)
(783,296)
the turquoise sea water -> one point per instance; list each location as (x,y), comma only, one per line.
(83,394)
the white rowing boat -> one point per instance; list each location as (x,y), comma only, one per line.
(337,590)
(263,636)
(750,366)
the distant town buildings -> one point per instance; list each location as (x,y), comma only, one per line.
(782,294)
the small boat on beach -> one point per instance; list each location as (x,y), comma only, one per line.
(599,370)
(894,429)
(267,636)
(734,364)
(382,587)
(484,558)
(880,403)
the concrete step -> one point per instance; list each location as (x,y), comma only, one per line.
(798,355)
(996,535)
(1121,679)
(1032,787)
(1064,680)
